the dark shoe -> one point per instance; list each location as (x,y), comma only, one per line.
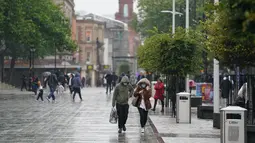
(120,130)
(162,110)
(124,128)
(153,109)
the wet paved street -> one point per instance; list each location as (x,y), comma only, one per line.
(199,131)
(24,120)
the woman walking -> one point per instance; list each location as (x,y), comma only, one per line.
(143,93)
(159,95)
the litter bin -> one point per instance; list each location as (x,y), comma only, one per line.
(183,108)
(233,124)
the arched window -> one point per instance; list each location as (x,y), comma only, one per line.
(125,10)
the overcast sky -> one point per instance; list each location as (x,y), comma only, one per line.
(102,7)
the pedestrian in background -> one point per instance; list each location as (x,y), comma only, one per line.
(159,94)
(24,84)
(114,80)
(143,92)
(40,94)
(52,83)
(122,92)
(108,78)
(77,86)
(70,83)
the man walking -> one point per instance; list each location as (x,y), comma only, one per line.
(108,78)
(24,84)
(52,83)
(77,86)
(121,94)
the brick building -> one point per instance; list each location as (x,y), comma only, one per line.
(88,30)
(125,14)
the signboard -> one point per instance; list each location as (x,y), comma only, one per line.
(205,90)
(106,66)
(90,67)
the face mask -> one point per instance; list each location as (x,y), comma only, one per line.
(125,83)
(143,85)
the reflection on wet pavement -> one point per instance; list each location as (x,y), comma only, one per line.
(25,120)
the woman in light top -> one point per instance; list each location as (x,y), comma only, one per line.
(143,92)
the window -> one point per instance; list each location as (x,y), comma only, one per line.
(88,36)
(125,10)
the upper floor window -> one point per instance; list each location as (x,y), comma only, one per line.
(88,36)
(125,10)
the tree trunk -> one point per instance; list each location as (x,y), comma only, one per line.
(2,67)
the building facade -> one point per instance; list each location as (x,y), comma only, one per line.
(68,8)
(125,14)
(89,31)
(116,41)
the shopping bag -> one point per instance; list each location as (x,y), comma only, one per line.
(113,116)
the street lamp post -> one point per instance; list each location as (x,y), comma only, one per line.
(31,67)
(216,89)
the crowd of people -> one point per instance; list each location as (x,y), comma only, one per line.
(124,86)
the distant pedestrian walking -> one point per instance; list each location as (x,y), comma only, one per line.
(70,83)
(77,86)
(143,92)
(159,95)
(24,84)
(40,94)
(108,78)
(52,83)
(114,79)
(121,94)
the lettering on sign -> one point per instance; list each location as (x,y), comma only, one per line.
(233,122)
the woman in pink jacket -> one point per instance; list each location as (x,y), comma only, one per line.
(159,94)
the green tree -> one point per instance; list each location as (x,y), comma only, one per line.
(27,24)
(179,55)
(150,16)
(230,32)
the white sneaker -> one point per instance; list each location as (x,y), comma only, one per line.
(142,130)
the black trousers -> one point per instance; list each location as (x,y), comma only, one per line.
(71,89)
(155,103)
(108,87)
(143,116)
(173,108)
(24,85)
(40,95)
(122,111)
(76,90)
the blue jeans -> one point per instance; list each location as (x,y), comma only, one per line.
(52,94)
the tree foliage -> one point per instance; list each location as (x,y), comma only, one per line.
(39,24)
(231,31)
(178,54)
(150,15)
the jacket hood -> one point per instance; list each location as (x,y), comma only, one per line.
(144,80)
(77,75)
(124,79)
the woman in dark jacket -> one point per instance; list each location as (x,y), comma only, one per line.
(143,92)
